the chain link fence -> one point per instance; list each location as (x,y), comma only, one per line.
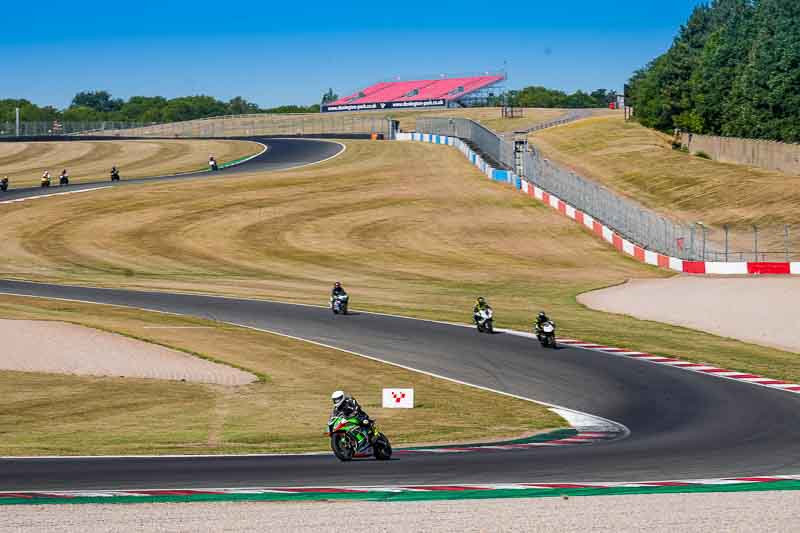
(47,129)
(689,241)
(227,126)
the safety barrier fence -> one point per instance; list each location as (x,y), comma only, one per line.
(633,222)
(622,244)
(225,126)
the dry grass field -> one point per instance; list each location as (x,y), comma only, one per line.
(408,228)
(488,116)
(24,162)
(47,414)
(640,163)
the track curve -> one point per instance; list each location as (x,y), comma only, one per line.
(281,154)
(683,424)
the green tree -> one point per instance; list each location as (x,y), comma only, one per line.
(766,96)
(329,96)
(98,100)
(240,106)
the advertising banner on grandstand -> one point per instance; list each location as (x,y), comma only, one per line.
(398,398)
(379,106)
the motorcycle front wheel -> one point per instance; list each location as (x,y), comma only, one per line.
(343,446)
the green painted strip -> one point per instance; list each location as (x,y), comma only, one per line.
(415,496)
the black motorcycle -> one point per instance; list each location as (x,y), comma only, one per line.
(63,180)
(4,184)
(546,333)
(115,175)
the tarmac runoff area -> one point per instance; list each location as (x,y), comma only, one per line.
(762,311)
(57,347)
(729,512)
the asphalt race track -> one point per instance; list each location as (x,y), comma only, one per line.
(683,425)
(281,154)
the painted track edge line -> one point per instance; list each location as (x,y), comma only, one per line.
(622,430)
(325,491)
(577,344)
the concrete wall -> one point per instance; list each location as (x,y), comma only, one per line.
(770,155)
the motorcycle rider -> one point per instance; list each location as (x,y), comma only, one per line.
(347,406)
(338,290)
(114,173)
(64,177)
(541,320)
(212,163)
(480,305)
(4,183)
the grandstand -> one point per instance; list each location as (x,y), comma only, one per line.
(426,93)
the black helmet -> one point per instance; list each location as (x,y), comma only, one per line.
(542,316)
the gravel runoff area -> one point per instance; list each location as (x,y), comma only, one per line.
(57,347)
(763,311)
(729,512)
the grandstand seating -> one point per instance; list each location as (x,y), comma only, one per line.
(448,89)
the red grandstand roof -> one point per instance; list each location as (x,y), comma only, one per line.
(447,89)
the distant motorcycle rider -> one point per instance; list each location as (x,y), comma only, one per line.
(4,183)
(480,305)
(338,290)
(541,320)
(114,174)
(347,406)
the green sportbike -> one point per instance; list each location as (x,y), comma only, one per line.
(350,439)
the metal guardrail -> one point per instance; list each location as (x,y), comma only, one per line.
(650,230)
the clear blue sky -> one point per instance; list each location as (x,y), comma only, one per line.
(276,53)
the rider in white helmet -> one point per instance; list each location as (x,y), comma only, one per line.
(347,406)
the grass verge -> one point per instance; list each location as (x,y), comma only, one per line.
(24,162)
(641,163)
(52,414)
(410,229)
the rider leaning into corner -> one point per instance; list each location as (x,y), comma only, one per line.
(480,305)
(347,406)
(541,319)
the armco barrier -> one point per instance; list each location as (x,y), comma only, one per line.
(607,234)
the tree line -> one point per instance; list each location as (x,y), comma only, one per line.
(732,70)
(537,96)
(99,106)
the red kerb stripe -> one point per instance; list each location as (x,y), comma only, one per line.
(694,267)
(769,268)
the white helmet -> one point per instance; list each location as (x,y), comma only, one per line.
(337,398)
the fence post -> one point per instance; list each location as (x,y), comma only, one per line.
(725,227)
(755,241)
(786,241)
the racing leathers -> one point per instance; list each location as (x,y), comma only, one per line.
(350,408)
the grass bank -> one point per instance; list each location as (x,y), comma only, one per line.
(24,162)
(47,414)
(641,163)
(409,228)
